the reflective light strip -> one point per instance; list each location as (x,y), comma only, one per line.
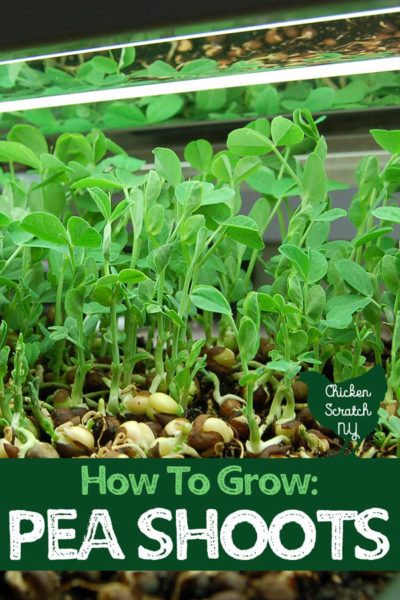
(222,81)
(192,36)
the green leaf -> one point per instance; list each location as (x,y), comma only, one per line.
(285,133)
(73,147)
(30,137)
(298,257)
(123,115)
(261,125)
(387,213)
(348,304)
(190,228)
(263,180)
(283,365)
(315,303)
(367,171)
(267,303)
(317,235)
(49,161)
(99,143)
(392,174)
(88,74)
(81,234)
(102,200)
(104,64)
(131,276)
(372,234)
(161,256)
(244,230)
(4,220)
(16,152)
(351,93)
(388,140)
(137,212)
(8,283)
(248,142)
(74,303)
(210,100)
(355,212)
(390,270)
(107,280)
(355,275)
(200,66)
(159,68)
(221,196)
(103,295)
(248,338)
(260,213)
(174,317)
(345,358)
(298,341)
(153,187)
(209,298)
(340,314)
(337,320)
(246,167)
(105,181)
(153,308)
(154,219)
(168,165)
(314,180)
(190,194)
(294,289)
(199,154)
(331,215)
(120,209)
(267,103)
(251,308)
(46,227)
(318,266)
(128,55)
(319,99)
(163,108)
(222,168)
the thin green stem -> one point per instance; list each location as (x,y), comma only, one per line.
(256,253)
(113,401)
(255,437)
(58,318)
(160,330)
(11,258)
(81,369)
(289,169)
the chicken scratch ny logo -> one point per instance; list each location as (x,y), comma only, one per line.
(349,408)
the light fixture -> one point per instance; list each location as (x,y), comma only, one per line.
(192,36)
(346,44)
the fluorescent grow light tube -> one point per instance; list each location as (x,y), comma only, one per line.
(217,82)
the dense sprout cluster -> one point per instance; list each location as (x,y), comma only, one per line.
(108,271)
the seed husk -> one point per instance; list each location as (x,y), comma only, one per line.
(230,407)
(139,433)
(42,450)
